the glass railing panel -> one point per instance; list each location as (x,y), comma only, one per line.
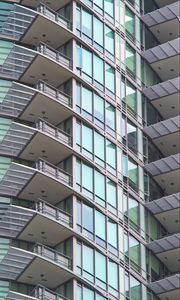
(53,212)
(54,16)
(54,131)
(53,92)
(43,293)
(55,55)
(54,171)
(53,255)
(16,22)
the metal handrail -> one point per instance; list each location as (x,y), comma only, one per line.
(40,292)
(42,207)
(58,173)
(58,133)
(44,9)
(54,54)
(52,91)
(57,257)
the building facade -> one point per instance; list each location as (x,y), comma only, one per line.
(89,150)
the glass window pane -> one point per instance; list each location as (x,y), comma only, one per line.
(111,154)
(110,78)
(131,97)
(110,116)
(98,33)
(112,232)
(87,62)
(109,39)
(87,140)
(113,269)
(100,225)
(88,218)
(99,108)
(98,70)
(133,173)
(87,23)
(87,100)
(88,264)
(88,294)
(99,147)
(135,288)
(87,177)
(130,22)
(131,59)
(109,7)
(111,193)
(100,269)
(99,185)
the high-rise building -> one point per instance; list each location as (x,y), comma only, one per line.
(89,150)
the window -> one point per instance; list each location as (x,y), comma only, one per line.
(112,238)
(96,109)
(130,23)
(131,211)
(132,136)
(133,174)
(100,265)
(98,34)
(113,280)
(92,68)
(131,98)
(130,59)
(88,264)
(109,42)
(87,24)
(94,146)
(100,226)
(96,186)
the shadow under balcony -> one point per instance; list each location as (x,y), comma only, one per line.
(165,135)
(42,140)
(164,59)
(54,4)
(30,104)
(167,211)
(165,97)
(39,265)
(42,222)
(167,250)
(167,288)
(31,183)
(164,22)
(166,173)
(162,3)
(43,63)
(49,27)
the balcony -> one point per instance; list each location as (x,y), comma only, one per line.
(164,59)
(167,250)
(42,222)
(18,296)
(45,140)
(39,265)
(56,104)
(162,3)
(54,4)
(167,288)
(164,22)
(165,135)
(53,22)
(165,97)
(41,180)
(166,173)
(30,66)
(167,211)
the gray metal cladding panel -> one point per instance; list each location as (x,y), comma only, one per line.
(164,204)
(161,15)
(162,51)
(165,244)
(164,165)
(163,128)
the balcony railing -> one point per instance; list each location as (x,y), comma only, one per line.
(42,293)
(55,93)
(57,133)
(53,212)
(54,16)
(54,171)
(55,55)
(53,255)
